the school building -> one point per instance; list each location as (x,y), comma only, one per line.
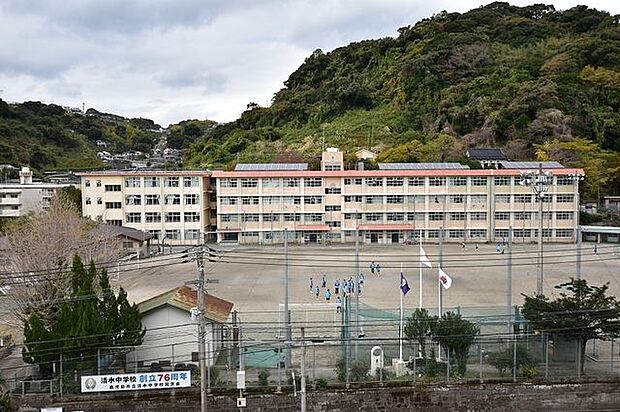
(399,202)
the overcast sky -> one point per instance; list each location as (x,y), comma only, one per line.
(171,60)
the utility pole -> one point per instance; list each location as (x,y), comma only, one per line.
(201,330)
(357,288)
(509,282)
(303,370)
(287,314)
(578,263)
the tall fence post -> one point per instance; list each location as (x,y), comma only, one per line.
(480,352)
(61,376)
(611,364)
(546,355)
(514,358)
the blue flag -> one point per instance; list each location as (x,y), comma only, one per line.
(404,286)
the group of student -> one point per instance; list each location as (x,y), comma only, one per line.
(346,287)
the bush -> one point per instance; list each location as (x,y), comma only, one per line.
(321,383)
(530,371)
(263,378)
(358,370)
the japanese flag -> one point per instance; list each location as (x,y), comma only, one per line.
(444,279)
(424,259)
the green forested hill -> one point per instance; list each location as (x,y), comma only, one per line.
(49,137)
(535,81)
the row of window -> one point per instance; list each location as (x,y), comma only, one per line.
(156,217)
(136,200)
(150,181)
(529,215)
(175,234)
(390,181)
(559,198)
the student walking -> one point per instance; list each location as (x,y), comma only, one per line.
(336,286)
(328,295)
(595,249)
(317,291)
(324,282)
(372,267)
(498,248)
(378,267)
(463,245)
(311,284)
(338,305)
(361,278)
(476,245)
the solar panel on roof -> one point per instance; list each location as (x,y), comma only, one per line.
(421,166)
(531,165)
(246,167)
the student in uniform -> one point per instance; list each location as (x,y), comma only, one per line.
(378,267)
(336,286)
(372,267)
(317,291)
(328,295)
(324,282)
(311,285)
(338,304)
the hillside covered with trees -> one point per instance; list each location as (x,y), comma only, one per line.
(538,82)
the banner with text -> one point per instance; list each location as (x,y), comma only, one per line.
(136,381)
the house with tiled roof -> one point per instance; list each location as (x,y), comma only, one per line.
(172,332)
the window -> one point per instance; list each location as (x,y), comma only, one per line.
(271,200)
(479,216)
(436,216)
(192,234)
(313,200)
(546,198)
(193,199)
(332,167)
(313,182)
(479,181)
(173,234)
(395,217)
(456,233)
(477,233)
(191,181)
(457,216)
(156,233)
(99,201)
(523,215)
(564,233)
(547,215)
(271,217)
(353,181)
(172,199)
(229,218)
(333,223)
(171,181)
(523,233)
(292,217)
(374,181)
(98,183)
(502,215)
(151,199)
(332,208)
(250,217)
(112,188)
(228,183)
(523,198)
(332,190)
(415,181)
(501,233)
(564,215)
(374,217)
(351,216)
(502,180)
(114,222)
(249,200)
(432,234)
(228,200)
(132,182)
(460,199)
(134,217)
(249,183)
(191,217)
(395,199)
(376,200)
(437,181)
(394,181)
(313,217)
(352,199)
(152,217)
(271,182)
(565,198)
(458,181)
(133,200)
(249,234)
(502,199)
(87,201)
(415,216)
(87,183)
(420,199)
(152,181)
(173,216)
(478,199)
(564,180)
(113,205)
(291,200)
(291,182)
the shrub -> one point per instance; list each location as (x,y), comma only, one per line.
(263,378)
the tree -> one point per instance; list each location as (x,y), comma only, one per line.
(456,335)
(73,195)
(88,318)
(585,313)
(39,252)
(420,327)
(504,360)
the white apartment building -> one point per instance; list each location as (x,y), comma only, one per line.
(256,203)
(173,206)
(19,199)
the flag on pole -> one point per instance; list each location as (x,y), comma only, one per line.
(424,259)
(444,279)
(404,286)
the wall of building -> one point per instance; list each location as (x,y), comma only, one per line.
(463,397)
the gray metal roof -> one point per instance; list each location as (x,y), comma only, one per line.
(421,166)
(612,230)
(486,154)
(530,165)
(246,167)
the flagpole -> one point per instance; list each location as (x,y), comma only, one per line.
(400,331)
(420,255)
